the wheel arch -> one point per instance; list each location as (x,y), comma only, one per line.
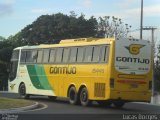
(20,85)
(25,87)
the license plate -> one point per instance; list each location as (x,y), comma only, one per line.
(134,85)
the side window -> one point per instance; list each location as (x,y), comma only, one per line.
(59,55)
(104,54)
(52,55)
(31,56)
(34,56)
(46,55)
(96,54)
(39,57)
(65,55)
(80,53)
(23,56)
(88,54)
(73,55)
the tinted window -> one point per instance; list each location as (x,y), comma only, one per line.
(45,55)
(80,53)
(104,52)
(73,55)
(13,70)
(39,57)
(88,54)
(31,56)
(52,55)
(14,65)
(65,55)
(59,55)
(96,54)
(23,56)
(28,56)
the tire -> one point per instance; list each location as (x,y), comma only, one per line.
(73,99)
(22,92)
(52,97)
(119,104)
(104,103)
(84,97)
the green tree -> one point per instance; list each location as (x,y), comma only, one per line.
(110,27)
(157,70)
(2,38)
(6,48)
(5,53)
(50,28)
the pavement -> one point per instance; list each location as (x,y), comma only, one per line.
(20,109)
(154,101)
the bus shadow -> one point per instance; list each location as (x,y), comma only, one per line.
(94,105)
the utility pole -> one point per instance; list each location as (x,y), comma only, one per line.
(141,24)
(153,48)
(152,34)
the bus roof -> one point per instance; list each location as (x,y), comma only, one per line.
(72,42)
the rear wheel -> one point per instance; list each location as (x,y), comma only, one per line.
(84,97)
(22,91)
(73,99)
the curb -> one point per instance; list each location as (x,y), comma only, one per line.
(6,92)
(20,109)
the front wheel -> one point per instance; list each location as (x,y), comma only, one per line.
(84,97)
(22,92)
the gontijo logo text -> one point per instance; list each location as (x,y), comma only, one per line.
(134,48)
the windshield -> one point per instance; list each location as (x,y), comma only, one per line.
(14,65)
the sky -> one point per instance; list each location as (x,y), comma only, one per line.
(17,14)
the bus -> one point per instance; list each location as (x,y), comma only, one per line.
(105,70)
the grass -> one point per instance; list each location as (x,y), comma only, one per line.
(6,103)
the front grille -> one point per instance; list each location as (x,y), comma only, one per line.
(99,90)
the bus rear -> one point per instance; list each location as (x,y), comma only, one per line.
(132,73)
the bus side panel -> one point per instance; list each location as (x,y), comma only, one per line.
(93,77)
(38,81)
(57,75)
(34,82)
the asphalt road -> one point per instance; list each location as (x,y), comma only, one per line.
(62,108)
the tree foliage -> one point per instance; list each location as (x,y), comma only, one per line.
(2,38)
(50,28)
(5,54)
(157,70)
(111,27)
